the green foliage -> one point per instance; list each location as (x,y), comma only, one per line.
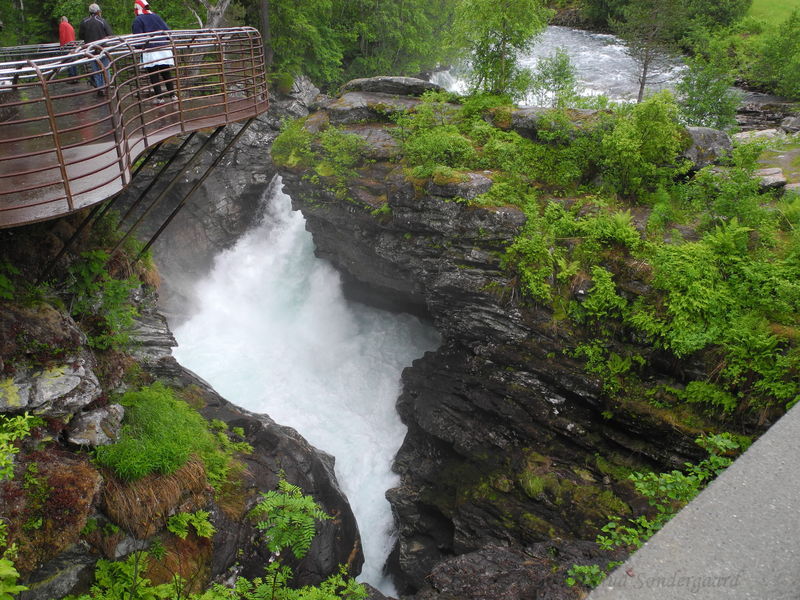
(179,524)
(555,81)
(287,519)
(12,429)
(707,96)
(304,39)
(667,493)
(602,302)
(341,154)
(115,580)
(102,301)
(494,35)
(292,147)
(589,575)
(159,434)
(718,294)
(778,64)
(9,588)
(7,272)
(398,38)
(332,153)
(442,146)
(649,29)
(641,152)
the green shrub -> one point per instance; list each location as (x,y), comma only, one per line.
(442,146)
(102,302)
(159,434)
(666,493)
(292,147)
(641,151)
(179,524)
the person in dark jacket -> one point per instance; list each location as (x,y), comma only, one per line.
(92,29)
(157,57)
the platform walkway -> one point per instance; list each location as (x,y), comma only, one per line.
(64,146)
(738,540)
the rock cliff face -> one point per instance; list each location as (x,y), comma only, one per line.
(510,442)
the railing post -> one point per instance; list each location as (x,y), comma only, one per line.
(223,77)
(54,131)
(139,90)
(120,141)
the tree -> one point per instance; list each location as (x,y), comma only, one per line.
(493,33)
(555,81)
(778,64)
(649,30)
(707,95)
(394,37)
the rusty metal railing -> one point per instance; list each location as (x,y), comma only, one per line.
(65,145)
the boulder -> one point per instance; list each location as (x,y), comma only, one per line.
(707,146)
(277,451)
(360,107)
(770,178)
(791,124)
(758,134)
(98,427)
(400,86)
(56,391)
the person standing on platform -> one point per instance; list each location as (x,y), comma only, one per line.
(157,56)
(66,38)
(92,29)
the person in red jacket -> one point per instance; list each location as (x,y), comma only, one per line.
(66,37)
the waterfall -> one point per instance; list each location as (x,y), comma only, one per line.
(273,333)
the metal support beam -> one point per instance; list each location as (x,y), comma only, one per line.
(197,184)
(168,187)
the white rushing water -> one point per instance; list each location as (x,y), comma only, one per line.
(274,334)
(601,64)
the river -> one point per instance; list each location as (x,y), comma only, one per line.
(602,66)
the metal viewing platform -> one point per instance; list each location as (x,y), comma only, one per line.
(65,145)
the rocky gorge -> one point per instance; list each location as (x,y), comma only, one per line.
(514,456)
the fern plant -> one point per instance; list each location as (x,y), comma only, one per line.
(288,519)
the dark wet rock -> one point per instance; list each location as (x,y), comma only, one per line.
(72,570)
(359,107)
(276,449)
(98,427)
(151,336)
(469,189)
(708,146)
(502,573)
(32,333)
(401,86)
